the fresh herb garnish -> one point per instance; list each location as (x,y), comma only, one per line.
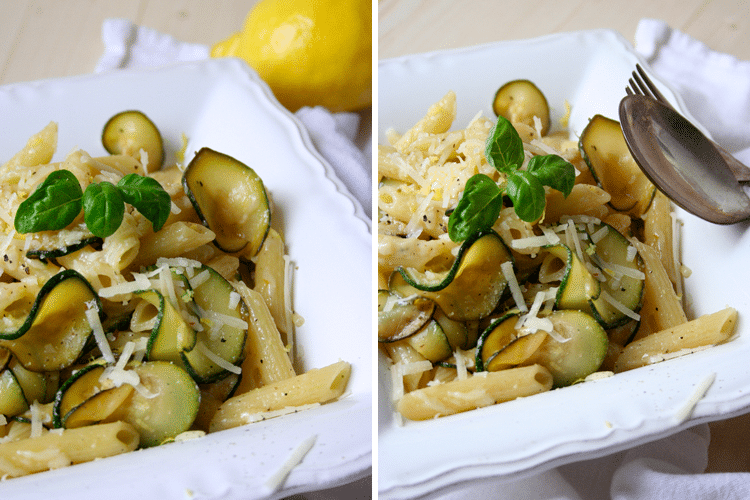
(482,199)
(58,200)
(54,204)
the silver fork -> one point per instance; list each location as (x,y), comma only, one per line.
(641,84)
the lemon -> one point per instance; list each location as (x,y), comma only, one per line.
(310,52)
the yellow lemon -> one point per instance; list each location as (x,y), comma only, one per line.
(310,52)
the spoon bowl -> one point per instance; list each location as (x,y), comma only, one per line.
(682,162)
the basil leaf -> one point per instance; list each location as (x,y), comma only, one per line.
(504,147)
(478,208)
(553,171)
(54,204)
(148,197)
(527,194)
(103,208)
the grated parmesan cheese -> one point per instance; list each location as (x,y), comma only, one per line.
(461,372)
(515,289)
(92,315)
(686,410)
(141,282)
(36,420)
(298,454)
(216,359)
(620,306)
(199,278)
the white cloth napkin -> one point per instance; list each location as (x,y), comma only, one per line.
(335,135)
(716,90)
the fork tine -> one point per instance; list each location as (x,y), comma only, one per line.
(650,85)
(641,87)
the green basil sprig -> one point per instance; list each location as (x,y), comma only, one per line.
(482,199)
(58,200)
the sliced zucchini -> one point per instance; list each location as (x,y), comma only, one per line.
(581,354)
(603,148)
(225,327)
(55,331)
(33,384)
(53,253)
(456,331)
(431,342)
(471,288)
(399,318)
(578,286)
(127,132)
(98,408)
(167,408)
(164,404)
(623,283)
(230,199)
(12,399)
(171,335)
(76,390)
(495,338)
(517,352)
(519,101)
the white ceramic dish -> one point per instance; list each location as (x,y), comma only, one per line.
(589,70)
(222,104)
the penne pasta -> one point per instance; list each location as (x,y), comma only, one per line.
(267,357)
(705,330)
(478,391)
(172,241)
(318,385)
(270,281)
(662,307)
(55,449)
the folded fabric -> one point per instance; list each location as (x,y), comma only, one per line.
(714,86)
(335,135)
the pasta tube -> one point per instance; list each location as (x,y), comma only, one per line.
(318,385)
(705,330)
(477,391)
(54,449)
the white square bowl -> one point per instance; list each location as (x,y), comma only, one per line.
(222,104)
(589,70)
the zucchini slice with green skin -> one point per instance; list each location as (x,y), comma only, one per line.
(578,286)
(404,317)
(456,331)
(517,352)
(623,283)
(166,404)
(431,342)
(52,254)
(230,199)
(520,101)
(168,409)
(130,131)
(33,384)
(603,148)
(171,335)
(580,355)
(76,390)
(223,333)
(12,399)
(471,288)
(54,333)
(495,338)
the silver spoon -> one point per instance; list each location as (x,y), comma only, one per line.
(681,161)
